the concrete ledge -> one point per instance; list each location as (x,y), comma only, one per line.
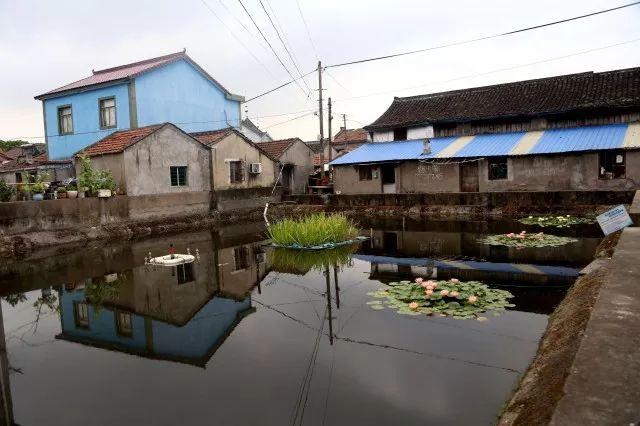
(603,387)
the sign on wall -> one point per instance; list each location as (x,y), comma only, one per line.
(615,219)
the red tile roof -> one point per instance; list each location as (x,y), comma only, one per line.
(350,136)
(40,160)
(119,141)
(121,72)
(529,98)
(275,149)
(212,137)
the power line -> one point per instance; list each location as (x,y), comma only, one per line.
(304,21)
(291,119)
(271,47)
(254,35)
(542,61)
(473,40)
(291,57)
(278,87)
(237,38)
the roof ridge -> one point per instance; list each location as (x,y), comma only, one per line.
(205,132)
(142,62)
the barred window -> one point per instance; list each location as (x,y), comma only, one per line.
(241,258)
(236,171)
(107,113)
(497,168)
(365,172)
(178,175)
(612,164)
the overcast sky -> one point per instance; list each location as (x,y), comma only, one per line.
(45,44)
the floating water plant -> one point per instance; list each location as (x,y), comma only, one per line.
(452,298)
(302,261)
(523,239)
(556,221)
(315,231)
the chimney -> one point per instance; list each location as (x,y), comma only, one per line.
(426,146)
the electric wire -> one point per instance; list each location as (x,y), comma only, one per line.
(482,38)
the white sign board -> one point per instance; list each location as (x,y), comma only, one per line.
(614,220)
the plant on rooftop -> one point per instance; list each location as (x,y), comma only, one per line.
(523,239)
(556,221)
(453,298)
(313,230)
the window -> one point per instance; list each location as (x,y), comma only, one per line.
(107,113)
(18,177)
(65,120)
(497,168)
(185,273)
(612,164)
(400,134)
(240,258)
(81,314)
(236,171)
(365,172)
(123,324)
(178,175)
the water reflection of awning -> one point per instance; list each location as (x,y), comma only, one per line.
(470,264)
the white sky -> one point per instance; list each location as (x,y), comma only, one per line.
(45,44)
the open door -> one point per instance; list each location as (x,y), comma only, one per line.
(469,177)
(388,172)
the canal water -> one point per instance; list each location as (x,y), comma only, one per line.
(249,336)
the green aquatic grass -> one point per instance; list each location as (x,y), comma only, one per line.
(527,240)
(556,221)
(313,230)
(302,261)
(463,300)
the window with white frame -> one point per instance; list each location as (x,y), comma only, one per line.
(107,113)
(124,325)
(65,120)
(81,314)
(178,175)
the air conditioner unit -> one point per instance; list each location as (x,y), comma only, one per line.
(255,168)
(261,257)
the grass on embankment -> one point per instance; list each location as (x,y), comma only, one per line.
(313,230)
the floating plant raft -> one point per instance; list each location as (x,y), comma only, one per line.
(556,221)
(314,232)
(523,239)
(463,300)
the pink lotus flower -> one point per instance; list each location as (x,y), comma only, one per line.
(424,285)
(523,232)
(433,284)
(419,280)
(521,236)
(472,299)
(428,292)
(444,293)
(511,235)
(413,306)
(454,294)
(455,280)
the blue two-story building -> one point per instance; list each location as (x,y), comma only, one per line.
(171,88)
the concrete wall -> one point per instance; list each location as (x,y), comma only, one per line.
(147,163)
(28,216)
(416,177)
(179,93)
(346,180)
(245,198)
(113,162)
(234,147)
(418,132)
(560,172)
(301,156)
(86,119)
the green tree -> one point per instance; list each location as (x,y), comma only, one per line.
(7,145)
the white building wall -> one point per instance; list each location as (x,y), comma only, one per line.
(420,132)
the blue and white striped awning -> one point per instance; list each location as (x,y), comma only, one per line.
(554,141)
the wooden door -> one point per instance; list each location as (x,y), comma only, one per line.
(469,177)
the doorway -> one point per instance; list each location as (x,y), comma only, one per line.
(388,172)
(286,180)
(469,177)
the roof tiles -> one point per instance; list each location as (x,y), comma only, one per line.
(119,141)
(275,149)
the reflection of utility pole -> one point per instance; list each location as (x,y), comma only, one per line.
(328,280)
(335,282)
(6,405)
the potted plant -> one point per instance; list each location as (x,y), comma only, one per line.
(104,183)
(72,190)
(61,192)
(39,186)
(86,179)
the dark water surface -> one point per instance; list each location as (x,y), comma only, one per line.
(95,337)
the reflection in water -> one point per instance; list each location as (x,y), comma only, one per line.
(128,335)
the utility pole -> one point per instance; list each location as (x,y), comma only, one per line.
(330,118)
(320,117)
(344,120)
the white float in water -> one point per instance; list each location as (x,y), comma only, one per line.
(172,259)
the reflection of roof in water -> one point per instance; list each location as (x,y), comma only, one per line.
(562,271)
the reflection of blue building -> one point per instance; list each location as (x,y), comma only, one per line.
(125,331)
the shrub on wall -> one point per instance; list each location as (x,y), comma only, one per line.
(6,191)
